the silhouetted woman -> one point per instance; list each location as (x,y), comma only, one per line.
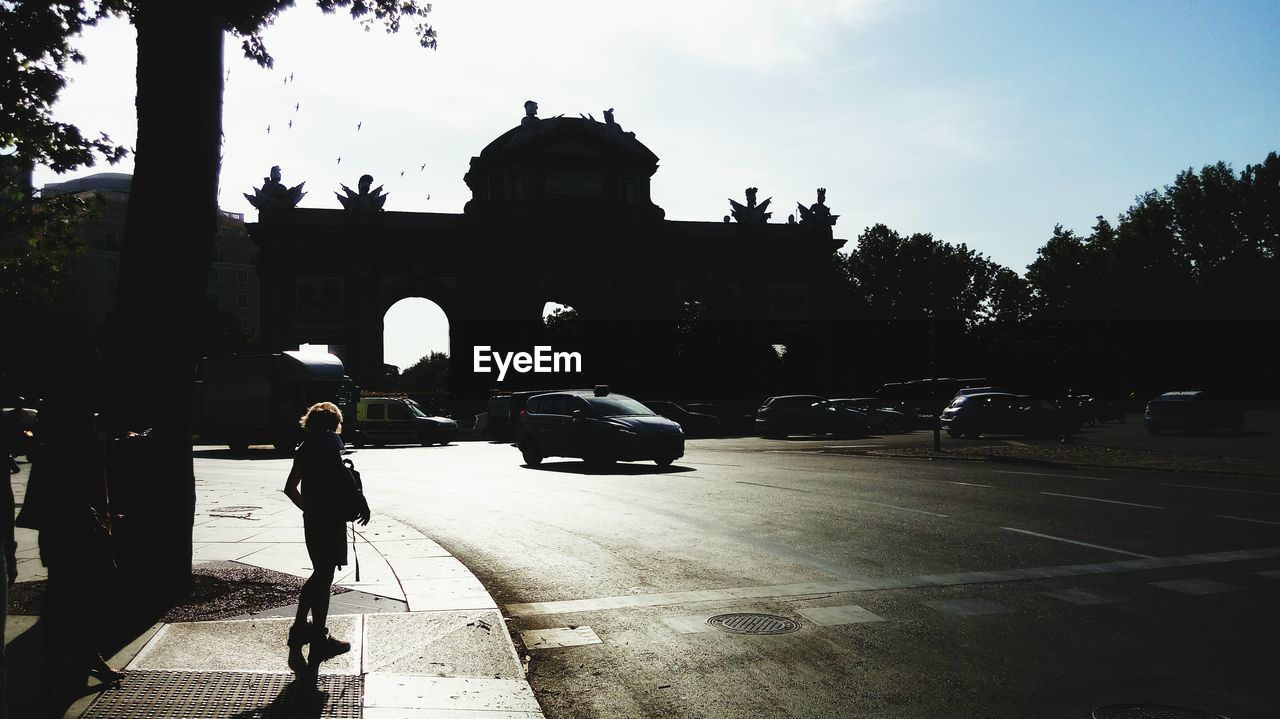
(318,470)
(67,502)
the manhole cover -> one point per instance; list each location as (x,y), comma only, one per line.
(205,695)
(1151,711)
(753,623)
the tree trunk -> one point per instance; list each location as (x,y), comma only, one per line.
(169,231)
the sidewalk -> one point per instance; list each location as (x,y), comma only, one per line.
(427,640)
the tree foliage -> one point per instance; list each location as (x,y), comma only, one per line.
(429,374)
(917,277)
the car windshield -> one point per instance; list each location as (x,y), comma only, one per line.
(415,408)
(618,406)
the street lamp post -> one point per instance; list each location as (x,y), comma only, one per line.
(933,370)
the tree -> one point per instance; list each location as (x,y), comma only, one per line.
(173,203)
(429,374)
(37,245)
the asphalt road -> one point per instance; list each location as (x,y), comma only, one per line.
(914,588)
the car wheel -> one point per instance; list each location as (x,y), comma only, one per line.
(529,451)
(239,447)
(664,461)
(1153,430)
(953,433)
(891,426)
(972,434)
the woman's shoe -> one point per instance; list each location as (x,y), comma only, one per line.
(300,635)
(105,673)
(324,646)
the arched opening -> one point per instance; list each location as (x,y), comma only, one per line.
(415,349)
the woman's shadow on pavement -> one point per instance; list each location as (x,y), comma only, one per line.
(302,698)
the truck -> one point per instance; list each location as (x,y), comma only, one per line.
(242,400)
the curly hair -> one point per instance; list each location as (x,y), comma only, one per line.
(322,416)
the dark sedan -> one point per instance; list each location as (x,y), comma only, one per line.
(807,414)
(973,415)
(1192,411)
(694,424)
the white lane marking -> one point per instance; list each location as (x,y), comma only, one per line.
(852,446)
(834,616)
(1223,489)
(902,509)
(1016,443)
(966,484)
(689,623)
(1108,501)
(1269,573)
(1045,474)
(1246,519)
(559,637)
(1079,543)
(795,451)
(710,464)
(1082,597)
(772,486)
(1197,586)
(733,596)
(967,607)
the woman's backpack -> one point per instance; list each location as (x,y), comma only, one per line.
(354,505)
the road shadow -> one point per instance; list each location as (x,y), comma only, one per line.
(253,453)
(629,469)
(1242,434)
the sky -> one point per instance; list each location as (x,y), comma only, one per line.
(983,122)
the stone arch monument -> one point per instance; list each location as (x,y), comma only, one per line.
(560,210)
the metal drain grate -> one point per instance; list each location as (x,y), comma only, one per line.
(753,623)
(1151,711)
(222,695)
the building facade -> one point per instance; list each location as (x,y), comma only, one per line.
(233,275)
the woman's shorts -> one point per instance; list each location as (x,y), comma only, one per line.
(326,541)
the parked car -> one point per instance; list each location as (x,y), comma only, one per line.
(807,414)
(598,426)
(694,424)
(1192,411)
(972,415)
(880,416)
(735,417)
(924,399)
(398,420)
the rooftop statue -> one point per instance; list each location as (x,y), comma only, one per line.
(751,213)
(365,201)
(818,213)
(273,195)
(530,113)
